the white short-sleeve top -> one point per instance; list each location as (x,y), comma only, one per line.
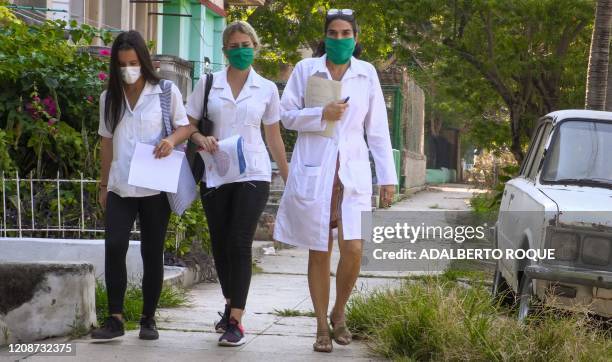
(258,102)
(143,124)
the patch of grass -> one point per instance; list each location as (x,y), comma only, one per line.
(77,330)
(256,269)
(5,334)
(77,327)
(170,297)
(293,313)
(434,206)
(436,319)
(173,297)
(485,205)
(453,275)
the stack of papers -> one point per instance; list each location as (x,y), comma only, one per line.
(320,92)
(227,164)
(160,174)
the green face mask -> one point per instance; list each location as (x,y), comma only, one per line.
(339,51)
(240,58)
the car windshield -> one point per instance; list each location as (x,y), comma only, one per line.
(580,154)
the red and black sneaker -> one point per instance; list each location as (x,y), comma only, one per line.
(234,335)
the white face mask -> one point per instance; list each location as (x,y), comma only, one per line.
(130,74)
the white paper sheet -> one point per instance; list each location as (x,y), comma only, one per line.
(223,166)
(157,174)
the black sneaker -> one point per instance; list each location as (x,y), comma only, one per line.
(221,325)
(148,329)
(234,335)
(111,328)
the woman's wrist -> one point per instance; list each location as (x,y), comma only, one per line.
(193,134)
(168,141)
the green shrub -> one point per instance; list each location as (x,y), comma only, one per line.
(49,97)
(436,319)
(188,229)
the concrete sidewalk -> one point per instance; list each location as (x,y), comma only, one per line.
(439,197)
(186,334)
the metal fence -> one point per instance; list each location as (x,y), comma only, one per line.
(33,207)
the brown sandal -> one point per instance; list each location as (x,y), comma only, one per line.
(341,333)
(323,343)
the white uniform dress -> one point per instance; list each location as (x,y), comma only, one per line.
(143,124)
(304,211)
(257,103)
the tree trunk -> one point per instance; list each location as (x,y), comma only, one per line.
(597,77)
(609,88)
(515,146)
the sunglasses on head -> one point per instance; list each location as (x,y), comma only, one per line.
(333,12)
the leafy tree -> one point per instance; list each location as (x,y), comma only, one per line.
(287,27)
(514,60)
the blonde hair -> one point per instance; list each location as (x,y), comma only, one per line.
(242,27)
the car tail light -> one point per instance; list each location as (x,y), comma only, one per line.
(565,245)
(596,251)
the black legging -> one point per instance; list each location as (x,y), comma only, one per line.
(153,214)
(232,211)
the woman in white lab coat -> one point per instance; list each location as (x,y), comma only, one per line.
(330,179)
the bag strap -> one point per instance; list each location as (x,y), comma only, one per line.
(207,88)
(165,100)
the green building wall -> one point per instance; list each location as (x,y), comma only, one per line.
(192,38)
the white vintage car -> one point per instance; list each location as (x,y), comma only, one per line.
(561,200)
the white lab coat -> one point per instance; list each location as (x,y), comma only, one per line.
(304,211)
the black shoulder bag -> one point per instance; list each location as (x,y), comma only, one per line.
(205,126)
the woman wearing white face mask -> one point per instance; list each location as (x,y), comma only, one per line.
(130,112)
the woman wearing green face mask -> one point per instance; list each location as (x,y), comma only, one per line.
(240,100)
(330,182)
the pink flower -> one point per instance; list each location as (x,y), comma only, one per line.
(102,76)
(36,99)
(50,106)
(90,99)
(31,110)
(52,121)
(104,52)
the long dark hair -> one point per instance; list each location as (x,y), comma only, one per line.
(115,101)
(348,18)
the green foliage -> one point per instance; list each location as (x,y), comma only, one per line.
(49,98)
(6,163)
(489,68)
(488,203)
(289,138)
(506,60)
(438,319)
(286,26)
(189,228)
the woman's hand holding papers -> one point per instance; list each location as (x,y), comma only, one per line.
(208,144)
